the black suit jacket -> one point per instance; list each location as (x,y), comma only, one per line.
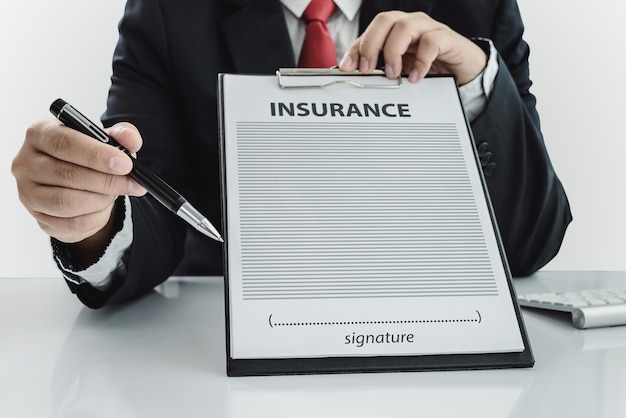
(164,81)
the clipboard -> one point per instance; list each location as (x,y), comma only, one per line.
(359,234)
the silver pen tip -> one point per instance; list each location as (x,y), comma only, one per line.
(207,229)
(217,237)
(198,221)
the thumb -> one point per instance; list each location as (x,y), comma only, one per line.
(127,135)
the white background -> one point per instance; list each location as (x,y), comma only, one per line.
(63,48)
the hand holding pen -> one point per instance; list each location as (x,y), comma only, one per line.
(69,182)
(158,188)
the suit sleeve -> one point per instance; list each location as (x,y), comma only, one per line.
(529,201)
(142,93)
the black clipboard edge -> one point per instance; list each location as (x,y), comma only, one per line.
(375,364)
(494,224)
(386,364)
(223,198)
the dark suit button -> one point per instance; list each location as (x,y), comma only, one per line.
(482,147)
(489,169)
(485,158)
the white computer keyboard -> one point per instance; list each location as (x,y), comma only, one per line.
(589,308)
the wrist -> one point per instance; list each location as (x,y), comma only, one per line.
(90,250)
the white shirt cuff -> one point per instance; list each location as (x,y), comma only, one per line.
(475,94)
(101,272)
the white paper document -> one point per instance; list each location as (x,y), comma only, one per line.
(357,224)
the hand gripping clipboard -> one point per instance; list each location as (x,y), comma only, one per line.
(359,235)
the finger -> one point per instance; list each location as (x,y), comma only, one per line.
(64,203)
(395,50)
(371,42)
(53,172)
(127,135)
(73,229)
(350,60)
(428,49)
(443,51)
(404,39)
(66,144)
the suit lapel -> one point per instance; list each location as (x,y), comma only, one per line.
(257,36)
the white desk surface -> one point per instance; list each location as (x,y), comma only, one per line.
(164,356)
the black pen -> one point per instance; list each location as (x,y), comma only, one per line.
(158,188)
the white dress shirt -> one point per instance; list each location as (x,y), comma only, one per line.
(344,28)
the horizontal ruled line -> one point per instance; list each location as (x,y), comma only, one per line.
(377,294)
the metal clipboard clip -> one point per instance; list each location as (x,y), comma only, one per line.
(337,78)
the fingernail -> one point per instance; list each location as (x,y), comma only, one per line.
(346,61)
(389,71)
(134,188)
(118,165)
(364,65)
(413,76)
(119,129)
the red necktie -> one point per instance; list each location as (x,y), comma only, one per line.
(318,48)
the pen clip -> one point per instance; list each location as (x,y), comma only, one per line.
(77,120)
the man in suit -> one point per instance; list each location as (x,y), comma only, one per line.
(112,248)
